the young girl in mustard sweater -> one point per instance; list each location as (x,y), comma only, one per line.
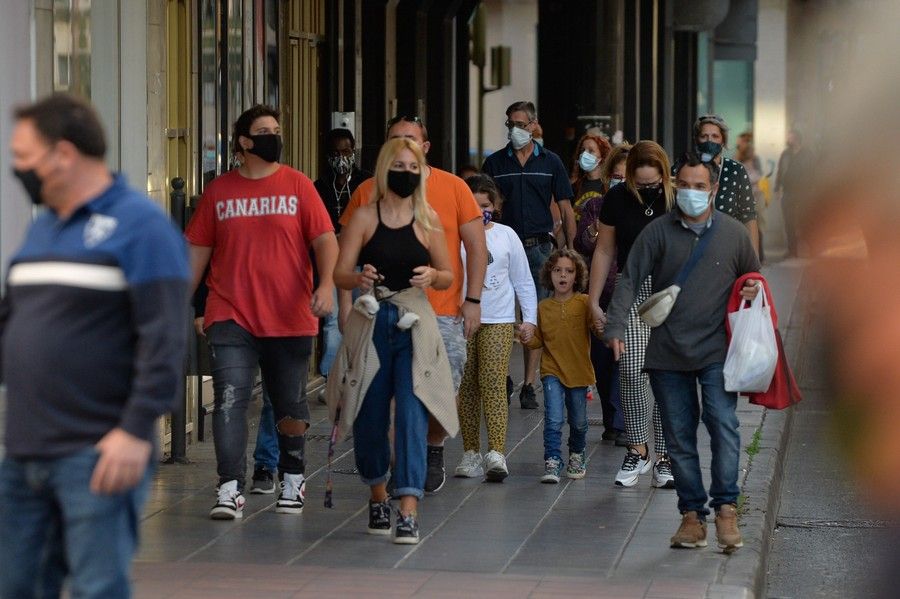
(564,332)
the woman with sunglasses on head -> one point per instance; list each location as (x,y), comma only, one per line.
(392,345)
(645,195)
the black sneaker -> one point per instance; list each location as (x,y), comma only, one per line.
(407,530)
(609,434)
(379,517)
(263,482)
(435,477)
(527,399)
(293,491)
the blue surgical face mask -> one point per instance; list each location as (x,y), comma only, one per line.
(588,161)
(692,202)
(614,181)
(487,215)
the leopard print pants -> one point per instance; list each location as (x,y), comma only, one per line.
(483,387)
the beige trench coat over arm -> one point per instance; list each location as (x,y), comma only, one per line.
(357,362)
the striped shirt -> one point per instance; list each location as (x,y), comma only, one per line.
(93,326)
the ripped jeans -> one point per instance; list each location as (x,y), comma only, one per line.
(283,361)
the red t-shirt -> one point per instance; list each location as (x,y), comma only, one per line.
(260,231)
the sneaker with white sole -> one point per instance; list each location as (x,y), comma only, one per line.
(577,467)
(229,502)
(380,517)
(633,466)
(495,467)
(293,491)
(470,465)
(662,474)
(406,531)
(435,476)
(552,468)
(263,482)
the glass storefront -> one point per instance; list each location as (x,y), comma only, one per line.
(238,51)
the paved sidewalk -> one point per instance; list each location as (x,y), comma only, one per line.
(516,539)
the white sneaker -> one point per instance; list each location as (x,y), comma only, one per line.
(662,474)
(229,502)
(293,491)
(495,466)
(470,465)
(632,467)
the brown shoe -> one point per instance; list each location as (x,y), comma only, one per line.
(691,533)
(728,535)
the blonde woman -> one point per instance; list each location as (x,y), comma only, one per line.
(391,339)
(645,195)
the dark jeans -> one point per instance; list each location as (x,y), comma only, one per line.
(53,527)
(606,371)
(235,355)
(676,395)
(537,255)
(370,429)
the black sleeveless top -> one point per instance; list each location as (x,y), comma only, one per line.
(394,253)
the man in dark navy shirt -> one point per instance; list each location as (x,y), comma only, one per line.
(92,331)
(530,177)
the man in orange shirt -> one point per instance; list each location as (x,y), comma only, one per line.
(458,318)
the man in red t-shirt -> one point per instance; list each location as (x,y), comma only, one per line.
(255,226)
(458,314)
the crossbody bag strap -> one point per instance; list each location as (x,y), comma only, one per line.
(695,256)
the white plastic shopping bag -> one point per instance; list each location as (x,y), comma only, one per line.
(753,351)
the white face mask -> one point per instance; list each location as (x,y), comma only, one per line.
(692,202)
(614,181)
(519,137)
(588,161)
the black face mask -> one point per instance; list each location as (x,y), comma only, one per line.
(267,146)
(32,184)
(649,195)
(403,183)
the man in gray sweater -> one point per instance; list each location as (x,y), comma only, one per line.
(689,347)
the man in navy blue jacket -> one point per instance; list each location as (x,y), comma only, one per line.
(92,343)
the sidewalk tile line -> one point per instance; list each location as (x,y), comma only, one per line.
(461,503)
(631,533)
(544,517)
(250,517)
(356,514)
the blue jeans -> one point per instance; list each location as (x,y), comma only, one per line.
(537,255)
(331,338)
(235,356)
(559,399)
(265,455)
(53,527)
(370,429)
(676,395)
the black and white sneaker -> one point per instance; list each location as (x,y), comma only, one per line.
(662,474)
(379,517)
(229,502)
(633,466)
(293,491)
(435,476)
(406,532)
(263,482)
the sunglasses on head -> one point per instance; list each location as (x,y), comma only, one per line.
(404,118)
